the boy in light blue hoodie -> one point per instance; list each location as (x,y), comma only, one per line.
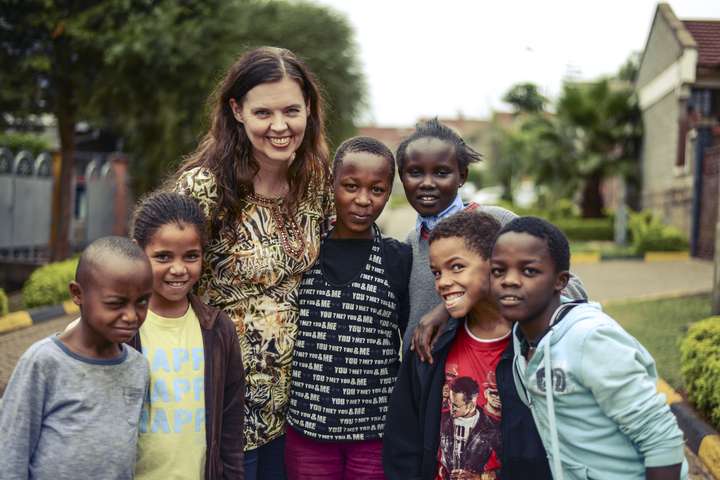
(602,417)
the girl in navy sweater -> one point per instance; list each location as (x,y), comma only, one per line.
(353,310)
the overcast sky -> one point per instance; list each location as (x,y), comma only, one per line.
(425,57)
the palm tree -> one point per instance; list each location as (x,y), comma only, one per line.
(594,134)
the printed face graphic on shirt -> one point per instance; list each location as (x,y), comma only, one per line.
(468,437)
(461,406)
(492,397)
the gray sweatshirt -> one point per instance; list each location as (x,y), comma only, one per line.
(65,416)
(421,287)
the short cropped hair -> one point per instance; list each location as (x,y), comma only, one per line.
(165,208)
(467,386)
(364,145)
(556,240)
(101,250)
(477,229)
(464,153)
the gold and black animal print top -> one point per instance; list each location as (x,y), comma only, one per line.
(254,275)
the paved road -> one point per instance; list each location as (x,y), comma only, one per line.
(13,344)
(616,280)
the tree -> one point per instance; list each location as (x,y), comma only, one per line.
(525,98)
(144,68)
(593,134)
(50,66)
(601,121)
(65,58)
(509,158)
(512,145)
(163,126)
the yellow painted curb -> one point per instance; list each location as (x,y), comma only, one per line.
(709,453)
(671,396)
(15,320)
(666,256)
(70,308)
(584,258)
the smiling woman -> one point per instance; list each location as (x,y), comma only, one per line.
(261,175)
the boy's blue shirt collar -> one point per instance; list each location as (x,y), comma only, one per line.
(430,222)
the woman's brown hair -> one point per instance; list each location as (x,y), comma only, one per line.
(226,151)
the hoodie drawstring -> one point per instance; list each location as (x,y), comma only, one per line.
(557,463)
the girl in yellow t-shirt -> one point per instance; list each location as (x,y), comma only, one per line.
(192,421)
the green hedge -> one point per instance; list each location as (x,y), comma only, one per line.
(24,141)
(700,366)
(649,234)
(48,285)
(586,229)
(3,303)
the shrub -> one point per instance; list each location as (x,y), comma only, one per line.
(700,366)
(649,234)
(584,229)
(24,141)
(48,285)
(3,303)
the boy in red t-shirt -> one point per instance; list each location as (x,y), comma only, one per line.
(444,419)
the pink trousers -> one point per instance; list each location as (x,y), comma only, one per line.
(309,459)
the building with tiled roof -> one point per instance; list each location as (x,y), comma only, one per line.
(706,34)
(678,87)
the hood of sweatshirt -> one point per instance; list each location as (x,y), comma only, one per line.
(567,315)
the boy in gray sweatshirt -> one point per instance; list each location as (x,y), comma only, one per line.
(72,406)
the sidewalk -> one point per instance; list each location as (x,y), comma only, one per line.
(633,279)
(14,344)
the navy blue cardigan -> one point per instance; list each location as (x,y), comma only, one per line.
(412,430)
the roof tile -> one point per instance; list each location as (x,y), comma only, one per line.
(707,35)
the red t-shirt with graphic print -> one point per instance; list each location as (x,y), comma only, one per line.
(470,418)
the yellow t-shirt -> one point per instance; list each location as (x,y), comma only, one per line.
(172,426)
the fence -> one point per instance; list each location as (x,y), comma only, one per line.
(25,205)
(100,199)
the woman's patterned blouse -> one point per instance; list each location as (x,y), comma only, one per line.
(254,275)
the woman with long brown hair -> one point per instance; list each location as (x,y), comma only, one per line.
(261,175)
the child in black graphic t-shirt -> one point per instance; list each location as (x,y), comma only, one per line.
(353,310)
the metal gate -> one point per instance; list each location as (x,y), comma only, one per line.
(25,205)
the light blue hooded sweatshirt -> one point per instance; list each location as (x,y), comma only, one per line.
(603,417)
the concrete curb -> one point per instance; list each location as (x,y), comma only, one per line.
(702,439)
(28,318)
